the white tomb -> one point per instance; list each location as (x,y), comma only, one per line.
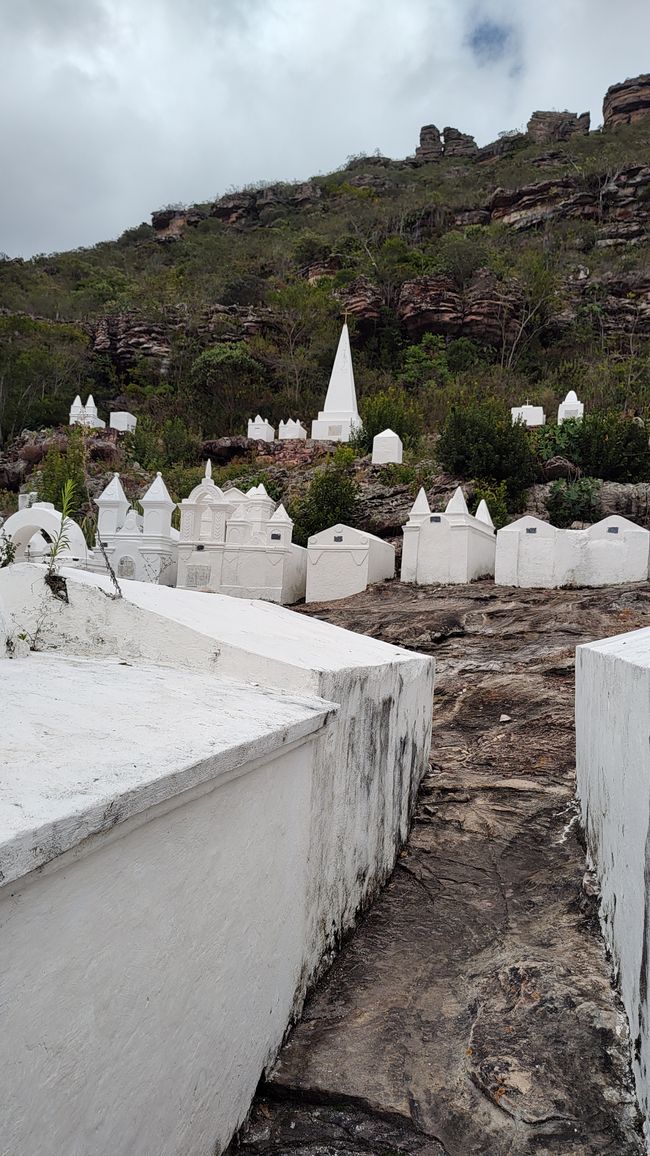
(239,544)
(532,553)
(291,431)
(339,419)
(386,447)
(33,529)
(141,546)
(529,415)
(613,782)
(27,499)
(450,547)
(570,407)
(176,764)
(123,421)
(261,430)
(342,561)
(85,415)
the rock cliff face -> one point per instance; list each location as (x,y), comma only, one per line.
(459,144)
(170,224)
(485,311)
(627,102)
(549,127)
(450,143)
(249,207)
(430,147)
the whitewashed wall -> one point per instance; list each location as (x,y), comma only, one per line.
(613,775)
(366,765)
(342,561)
(532,553)
(447,548)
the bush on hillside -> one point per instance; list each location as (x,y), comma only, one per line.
(611,446)
(495,495)
(331,497)
(390,409)
(578,501)
(480,441)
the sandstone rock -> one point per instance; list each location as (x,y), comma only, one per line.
(548,127)
(458,144)
(627,102)
(233,208)
(223,450)
(327,267)
(532,205)
(170,224)
(484,311)
(430,147)
(471,217)
(361,299)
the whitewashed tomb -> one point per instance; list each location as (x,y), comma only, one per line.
(529,415)
(531,552)
(141,546)
(239,544)
(85,415)
(339,419)
(450,547)
(387,448)
(570,407)
(342,561)
(123,421)
(34,528)
(261,430)
(291,431)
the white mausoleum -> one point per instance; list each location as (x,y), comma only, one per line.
(85,414)
(531,553)
(342,561)
(197,796)
(529,415)
(33,528)
(141,546)
(449,547)
(570,407)
(613,780)
(123,421)
(239,544)
(261,430)
(339,419)
(291,431)
(387,447)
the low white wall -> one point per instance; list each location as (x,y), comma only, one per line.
(453,549)
(147,983)
(532,553)
(341,561)
(613,777)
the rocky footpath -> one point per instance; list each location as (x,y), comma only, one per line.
(473,1010)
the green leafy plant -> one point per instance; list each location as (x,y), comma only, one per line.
(578,501)
(7,550)
(479,440)
(61,540)
(495,495)
(331,497)
(394,409)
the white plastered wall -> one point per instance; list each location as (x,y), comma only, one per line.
(341,561)
(447,548)
(532,553)
(613,779)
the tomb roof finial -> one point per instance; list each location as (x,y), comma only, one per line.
(457,503)
(208,469)
(483,513)
(421,504)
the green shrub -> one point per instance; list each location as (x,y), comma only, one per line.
(58,468)
(390,409)
(611,446)
(495,494)
(331,497)
(578,501)
(480,441)
(396,474)
(180,444)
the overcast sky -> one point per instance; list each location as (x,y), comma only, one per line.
(113,108)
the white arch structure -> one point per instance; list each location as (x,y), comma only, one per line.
(44,519)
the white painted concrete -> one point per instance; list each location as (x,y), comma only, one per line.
(291,430)
(570,407)
(139,546)
(85,415)
(450,547)
(529,415)
(613,777)
(150,968)
(260,429)
(41,517)
(339,419)
(123,421)
(532,553)
(386,448)
(342,561)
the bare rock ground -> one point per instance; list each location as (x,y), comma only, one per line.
(472,1011)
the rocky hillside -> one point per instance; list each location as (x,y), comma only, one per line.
(527,258)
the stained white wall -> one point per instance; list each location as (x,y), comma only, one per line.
(147,983)
(337,569)
(447,548)
(613,777)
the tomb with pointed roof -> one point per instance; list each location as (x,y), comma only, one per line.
(139,546)
(451,546)
(339,419)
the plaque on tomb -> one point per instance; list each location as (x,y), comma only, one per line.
(612,529)
(435,517)
(338,537)
(126,568)
(197,576)
(531,529)
(276,537)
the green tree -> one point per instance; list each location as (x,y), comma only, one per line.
(331,497)
(61,466)
(390,409)
(226,382)
(478,440)
(578,501)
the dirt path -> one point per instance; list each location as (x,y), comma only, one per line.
(472,1010)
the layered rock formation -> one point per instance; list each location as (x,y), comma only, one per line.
(549,127)
(246,207)
(627,102)
(450,143)
(361,299)
(430,147)
(170,224)
(458,144)
(486,311)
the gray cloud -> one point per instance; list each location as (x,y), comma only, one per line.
(112,108)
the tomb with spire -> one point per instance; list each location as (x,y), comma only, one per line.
(452,546)
(140,546)
(339,419)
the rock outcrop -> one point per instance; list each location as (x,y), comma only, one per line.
(549,127)
(627,102)
(450,143)
(430,147)
(458,144)
(170,224)
(249,206)
(361,299)
(485,311)
(126,337)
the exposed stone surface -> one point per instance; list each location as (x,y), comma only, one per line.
(627,102)
(473,1007)
(549,127)
(458,144)
(170,224)
(430,146)
(484,310)
(246,207)
(361,299)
